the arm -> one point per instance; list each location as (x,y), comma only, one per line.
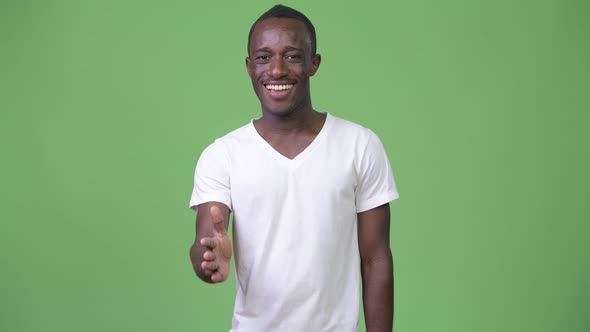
(211,252)
(376,268)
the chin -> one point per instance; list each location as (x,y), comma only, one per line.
(284,108)
(279,111)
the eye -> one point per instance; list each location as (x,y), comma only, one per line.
(264,58)
(294,57)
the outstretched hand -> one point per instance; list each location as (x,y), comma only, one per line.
(217,257)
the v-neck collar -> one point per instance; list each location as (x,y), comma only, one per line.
(298,159)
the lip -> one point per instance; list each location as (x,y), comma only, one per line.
(277,82)
(278,94)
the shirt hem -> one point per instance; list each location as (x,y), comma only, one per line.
(377,201)
(209,198)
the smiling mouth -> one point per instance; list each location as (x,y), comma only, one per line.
(278,87)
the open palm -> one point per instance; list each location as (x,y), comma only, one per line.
(217,257)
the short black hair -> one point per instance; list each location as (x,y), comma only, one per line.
(280,11)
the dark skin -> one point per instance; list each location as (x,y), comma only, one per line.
(376,268)
(280,63)
(211,252)
(280,54)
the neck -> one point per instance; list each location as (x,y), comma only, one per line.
(304,119)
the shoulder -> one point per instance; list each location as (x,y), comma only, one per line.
(233,139)
(346,130)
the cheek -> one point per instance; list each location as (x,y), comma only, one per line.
(258,72)
(296,69)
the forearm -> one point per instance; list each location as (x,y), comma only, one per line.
(377,274)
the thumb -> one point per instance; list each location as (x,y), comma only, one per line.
(217,220)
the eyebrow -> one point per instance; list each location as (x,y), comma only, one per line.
(263,49)
(288,48)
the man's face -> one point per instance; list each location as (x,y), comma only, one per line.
(280,63)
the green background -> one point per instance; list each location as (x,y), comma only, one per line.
(105,107)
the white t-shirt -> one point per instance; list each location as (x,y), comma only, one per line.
(295,223)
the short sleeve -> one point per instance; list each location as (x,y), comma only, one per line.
(212,177)
(375,182)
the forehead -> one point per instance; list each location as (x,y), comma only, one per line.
(276,32)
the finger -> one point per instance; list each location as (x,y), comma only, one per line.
(217,277)
(211,266)
(209,242)
(206,271)
(209,255)
(217,220)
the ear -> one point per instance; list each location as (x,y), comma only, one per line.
(315,64)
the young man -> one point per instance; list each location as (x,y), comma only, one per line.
(310,195)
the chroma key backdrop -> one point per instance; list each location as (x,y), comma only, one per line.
(482,106)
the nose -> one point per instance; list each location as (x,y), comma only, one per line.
(278,67)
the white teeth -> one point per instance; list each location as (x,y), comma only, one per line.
(279,87)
